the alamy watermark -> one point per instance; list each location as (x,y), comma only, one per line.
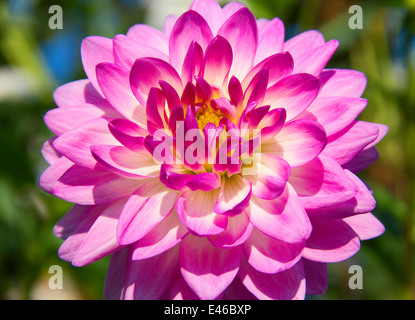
(56,19)
(356,280)
(56,280)
(356,20)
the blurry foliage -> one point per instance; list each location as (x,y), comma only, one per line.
(37,60)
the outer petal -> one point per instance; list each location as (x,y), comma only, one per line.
(49,153)
(150,204)
(286,285)
(195,210)
(342,82)
(294,93)
(206,269)
(179,290)
(316,277)
(346,144)
(101,239)
(78,93)
(282,218)
(115,278)
(270,255)
(366,226)
(75,144)
(332,240)
(335,113)
(85,186)
(322,183)
(298,142)
(95,50)
(271,39)
(148,279)
(52,174)
(242,33)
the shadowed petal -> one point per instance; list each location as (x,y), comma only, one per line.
(206,269)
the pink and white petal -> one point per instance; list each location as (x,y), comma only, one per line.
(283,218)
(147,35)
(75,144)
(383,130)
(270,40)
(237,232)
(280,65)
(195,210)
(52,174)
(332,240)
(272,175)
(303,43)
(241,31)
(190,26)
(217,61)
(149,279)
(61,120)
(128,133)
(115,278)
(348,143)
(335,113)
(114,82)
(95,50)
(147,73)
(313,61)
(234,196)
(72,243)
(125,162)
(101,239)
(192,63)
(269,255)
(298,142)
(322,183)
(149,205)
(285,285)
(366,226)
(231,8)
(179,290)
(211,11)
(342,82)
(208,270)
(127,50)
(294,93)
(85,186)
(163,237)
(69,223)
(77,93)
(49,153)
(316,276)
(362,202)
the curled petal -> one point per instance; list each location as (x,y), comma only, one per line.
(195,210)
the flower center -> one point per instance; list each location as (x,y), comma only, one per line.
(207,115)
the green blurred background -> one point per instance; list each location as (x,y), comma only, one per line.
(34,60)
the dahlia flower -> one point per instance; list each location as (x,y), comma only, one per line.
(212,160)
